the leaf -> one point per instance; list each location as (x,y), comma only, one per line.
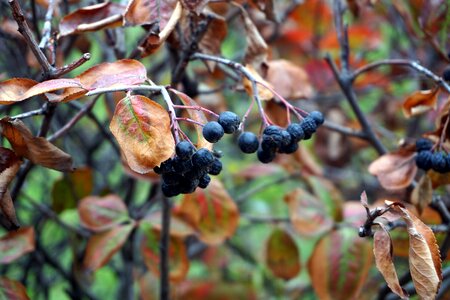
(382,250)
(422,194)
(15,244)
(102,213)
(102,246)
(142,129)
(211,289)
(267,6)
(438,179)
(196,115)
(340,264)
(282,254)
(8,217)
(12,290)
(263,93)
(178,226)
(12,90)
(147,12)
(148,286)
(178,259)
(289,80)
(92,18)
(212,212)
(394,170)
(37,149)
(420,102)
(67,191)
(194,5)
(214,36)
(308,214)
(9,166)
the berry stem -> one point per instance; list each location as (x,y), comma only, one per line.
(173,116)
(189,121)
(200,108)
(244,118)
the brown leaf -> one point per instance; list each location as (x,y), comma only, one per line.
(267,6)
(142,129)
(420,102)
(37,149)
(8,218)
(92,18)
(178,226)
(382,249)
(15,244)
(12,290)
(289,80)
(9,165)
(214,36)
(194,5)
(282,254)
(422,194)
(12,90)
(147,12)
(394,170)
(438,179)
(263,93)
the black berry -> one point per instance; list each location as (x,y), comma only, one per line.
(285,138)
(288,149)
(309,127)
(265,156)
(229,121)
(213,132)
(317,116)
(424,160)
(170,190)
(439,162)
(271,142)
(215,168)
(248,142)
(184,150)
(272,130)
(296,131)
(204,182)
(423,144)
(202,158)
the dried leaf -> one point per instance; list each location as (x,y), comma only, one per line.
(37,149)
(8,218)
(102,246)
(147,12)
(142,129)
(215,290)
(214,36)
(178,226)
(438,179)
(92,18)
(394,170)
(308,214)
(363,200)
(422,194)
(12,90)
(382,250)
(212,212)
(194,5)
(267,6)
(12,290)
(178,259)
(340,264)
(263,93)
(15,244)
(420,102)
(282,254)
(9,166)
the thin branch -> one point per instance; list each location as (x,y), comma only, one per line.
(47,29)
(164,250)
(72,66)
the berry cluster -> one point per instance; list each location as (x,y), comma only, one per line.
(228,122)
(427,160)
(277,140)
(188,170)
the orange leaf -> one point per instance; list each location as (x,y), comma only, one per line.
(142,129)
(422,194)
(282,254)
(194,5)
(102,246)
(92,18)
(420,102)
(147,12)
(178,226)
(212,212)
(9,165)
(12,290)
(12,90)
(263,93)
(15,244)
(37,149)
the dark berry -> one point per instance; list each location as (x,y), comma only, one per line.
(166,166)
(309,127)
(215,168)
(202,158)
(213,132)
(423,144)
(265,156)
(188,185)
(288,149)
(229,121)
(317,116)
(171,178)
(248,142)
(170,190)
(271,142)
(424,160)
(157,170)
(204,182)
(272,130)
(184,150)
(448,162)
(439,162)
(446,74)
(285,138)
(296,131)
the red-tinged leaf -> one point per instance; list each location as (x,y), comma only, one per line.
(196,115)
(420,102)
(148,286)
(289,80)
(178,226)
(329,195)
(282,254)
(142,129)
(354,214)
(394,170)
(214,290)
(37,149)
(15,244)
(422,194)
(102,213)
(308,214)
(12,90)
(102,246)
(92,18)
(339,265)
(147,12)
(8,217)
(9,165)
(194,5)
(382,250)
(212,212)
(178,259)
(12,290)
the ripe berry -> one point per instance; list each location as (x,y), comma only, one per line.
(188,185)
(265,156)
(288,149)
(248,142)
(170,190)
(446,74)
(229,121)
(202,158)
(309,127)
(166,166)
(285,138)
(204,182)
(317,116)
(213,132)
(271,142)
(215,168)
(171,178)
(424,160)
(272,130)
(423,144)
(157,170)
(296,131)
(439,162)
(184,149)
